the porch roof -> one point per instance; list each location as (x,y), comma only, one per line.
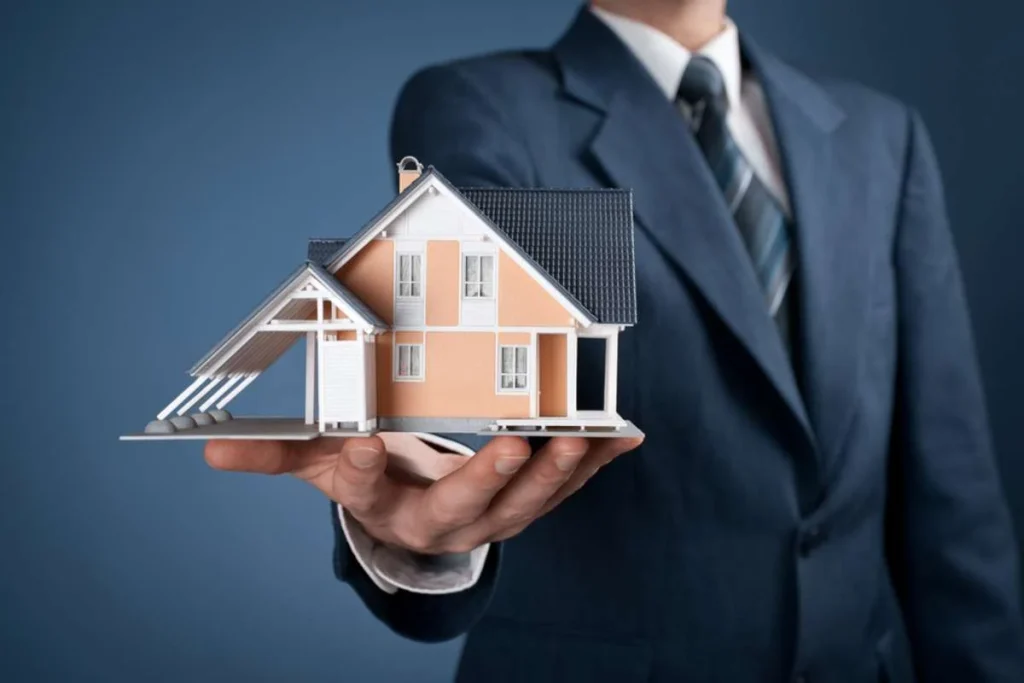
(250,348)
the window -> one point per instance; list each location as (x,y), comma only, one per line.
(410,276)
(410,361)
(478,276)
(514,366)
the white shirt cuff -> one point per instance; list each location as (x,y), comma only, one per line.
(392,569)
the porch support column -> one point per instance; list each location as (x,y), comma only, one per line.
(320,361)
(310,377)
(571,345)
(361,382)
(611,373)
(533,375)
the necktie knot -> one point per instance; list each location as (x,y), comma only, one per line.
(702,84)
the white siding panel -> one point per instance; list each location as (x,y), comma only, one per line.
(479,313)
(342,378)
(438,215)
(409,313)
(371,380)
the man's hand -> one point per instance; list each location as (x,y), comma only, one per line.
(494,496)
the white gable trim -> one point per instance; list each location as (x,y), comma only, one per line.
(354,315)
(259,319)
(435,186)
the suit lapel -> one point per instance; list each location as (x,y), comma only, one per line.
(644,144)
(832,254)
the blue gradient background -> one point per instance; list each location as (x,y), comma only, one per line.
(161,164)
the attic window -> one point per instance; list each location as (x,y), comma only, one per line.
(410,276)
(478,276)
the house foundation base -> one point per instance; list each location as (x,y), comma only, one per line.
(295,429)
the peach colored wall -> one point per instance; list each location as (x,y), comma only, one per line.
(343,335)
(459,381)
(523,302)
(406,337)
(371,277)
(443,282)
(552,362)
(328,305)
(517,338)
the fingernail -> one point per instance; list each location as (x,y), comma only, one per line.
(567,461)
(363,457)
(508,465)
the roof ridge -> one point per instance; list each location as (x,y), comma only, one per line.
(594,190)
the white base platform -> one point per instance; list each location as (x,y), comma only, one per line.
(270,428)
(295,429)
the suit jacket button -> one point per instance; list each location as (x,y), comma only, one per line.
(810,539)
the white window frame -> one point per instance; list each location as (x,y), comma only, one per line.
(465,284)
(525,373)
(396,365)
(412,282)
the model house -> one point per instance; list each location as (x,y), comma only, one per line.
(452,310)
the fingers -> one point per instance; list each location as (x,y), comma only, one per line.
(260,457)
(522,500)
(600,453)
(349,471)
(462,496)
(358,480)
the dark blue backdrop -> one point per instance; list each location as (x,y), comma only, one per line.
(161,164)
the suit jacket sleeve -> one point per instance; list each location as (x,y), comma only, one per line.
(446,121)
(952,551)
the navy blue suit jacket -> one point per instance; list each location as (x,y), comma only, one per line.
(838,518)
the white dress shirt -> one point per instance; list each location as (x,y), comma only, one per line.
(749,120)
(750,124)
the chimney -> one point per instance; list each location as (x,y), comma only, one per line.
(409,169)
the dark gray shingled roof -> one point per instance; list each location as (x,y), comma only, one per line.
(580,240)
(321,249)
(583,239)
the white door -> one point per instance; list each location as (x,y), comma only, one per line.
(342,378)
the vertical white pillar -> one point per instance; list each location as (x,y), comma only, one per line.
(571,346)
(361,382)
(533,375)
(310,376)
(320,360)
(611,373)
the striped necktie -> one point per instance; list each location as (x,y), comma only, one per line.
(761,221)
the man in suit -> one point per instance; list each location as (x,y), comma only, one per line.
(816,499)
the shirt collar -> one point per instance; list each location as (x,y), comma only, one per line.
(666,60)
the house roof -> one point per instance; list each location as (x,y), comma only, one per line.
(321,249)
(580,241)
(273,344)
(581,238)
